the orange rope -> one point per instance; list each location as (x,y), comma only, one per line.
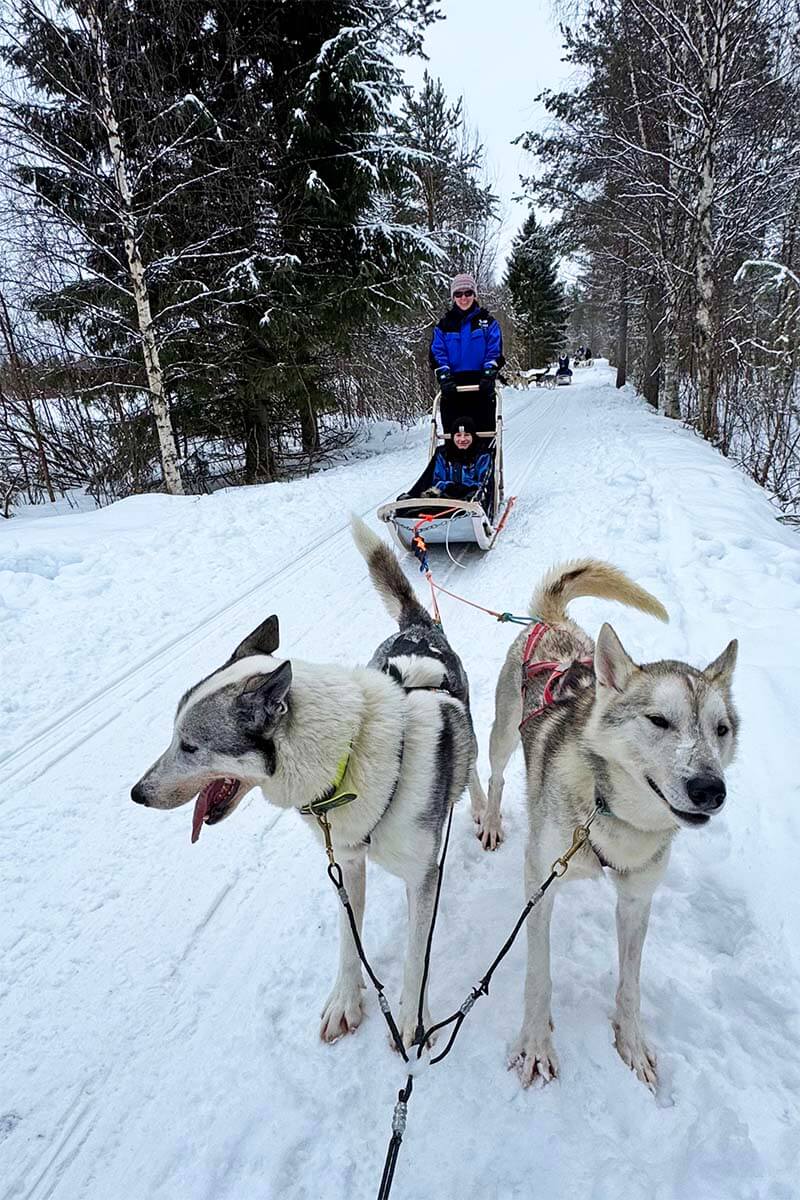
(437,616)
(418,543)
(512,500)
(435,516)
(480,607)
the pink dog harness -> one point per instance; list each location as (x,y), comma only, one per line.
(531,669)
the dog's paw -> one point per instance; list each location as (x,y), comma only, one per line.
(534,1059)
(636,1054)
(407,1025)
(489,828)
(343,1011)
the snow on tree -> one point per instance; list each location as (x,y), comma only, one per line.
(538,300)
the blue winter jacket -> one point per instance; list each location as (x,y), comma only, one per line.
(470,475)
(469,341)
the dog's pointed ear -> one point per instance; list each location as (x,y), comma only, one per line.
(262,701)
(263,640)
(612,664)
(720,671)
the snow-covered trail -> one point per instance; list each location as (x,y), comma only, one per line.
(159,1005)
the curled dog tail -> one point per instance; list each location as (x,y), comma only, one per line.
(388,577)
(589,577)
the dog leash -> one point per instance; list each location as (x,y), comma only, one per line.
(400,1114)
(331,799)
(580,838)
(335,798)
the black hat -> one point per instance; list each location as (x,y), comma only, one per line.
(452,451)
(463,425)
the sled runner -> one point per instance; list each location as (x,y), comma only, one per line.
(448,519)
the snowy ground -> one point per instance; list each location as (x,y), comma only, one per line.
(159,1001)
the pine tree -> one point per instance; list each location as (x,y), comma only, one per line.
(449,197)
(346,259)
(537,296)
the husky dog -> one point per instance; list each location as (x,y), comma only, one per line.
(646,745)
(399,737)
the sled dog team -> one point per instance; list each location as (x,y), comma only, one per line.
(645,745)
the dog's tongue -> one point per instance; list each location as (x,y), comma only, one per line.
(200,810)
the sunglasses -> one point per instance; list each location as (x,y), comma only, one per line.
(458,295)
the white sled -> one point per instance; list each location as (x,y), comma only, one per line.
(450,521)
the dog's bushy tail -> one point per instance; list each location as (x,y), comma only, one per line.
(388,577)
(589,577)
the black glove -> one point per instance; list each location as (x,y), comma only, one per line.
(442,374)
(490,372)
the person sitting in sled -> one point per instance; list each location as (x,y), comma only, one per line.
(460,467)
(467,341)
(563,366)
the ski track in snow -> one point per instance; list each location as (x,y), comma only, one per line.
(159,1001)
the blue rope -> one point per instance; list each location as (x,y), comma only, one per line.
(510,618)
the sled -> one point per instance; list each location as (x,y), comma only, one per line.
(563,379)
(447,520)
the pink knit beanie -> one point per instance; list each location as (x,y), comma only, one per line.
(461,283)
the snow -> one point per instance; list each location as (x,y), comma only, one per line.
(159,1013)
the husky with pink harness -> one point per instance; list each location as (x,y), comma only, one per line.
(646,746)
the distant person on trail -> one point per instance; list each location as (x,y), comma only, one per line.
(563,366)
(460,467)
(467,342)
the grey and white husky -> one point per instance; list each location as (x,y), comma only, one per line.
(400,737)
(647,744)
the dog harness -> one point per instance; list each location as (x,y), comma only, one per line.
(332,797)
(531,669)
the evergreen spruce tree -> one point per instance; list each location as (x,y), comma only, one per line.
(448,196)
(537,296)
(345,260)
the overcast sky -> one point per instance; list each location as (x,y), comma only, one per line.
(498,55)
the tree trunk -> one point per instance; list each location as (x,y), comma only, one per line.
(309,428)
(622,322)
(654,338)
(707,347)
(712,25)
(259,458)
(152,362)
(26,395)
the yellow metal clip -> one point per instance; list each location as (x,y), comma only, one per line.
(324,824)
(580,835)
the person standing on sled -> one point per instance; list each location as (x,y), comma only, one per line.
(460,467)
(467,345)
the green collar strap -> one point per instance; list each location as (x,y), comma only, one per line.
(333,797)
